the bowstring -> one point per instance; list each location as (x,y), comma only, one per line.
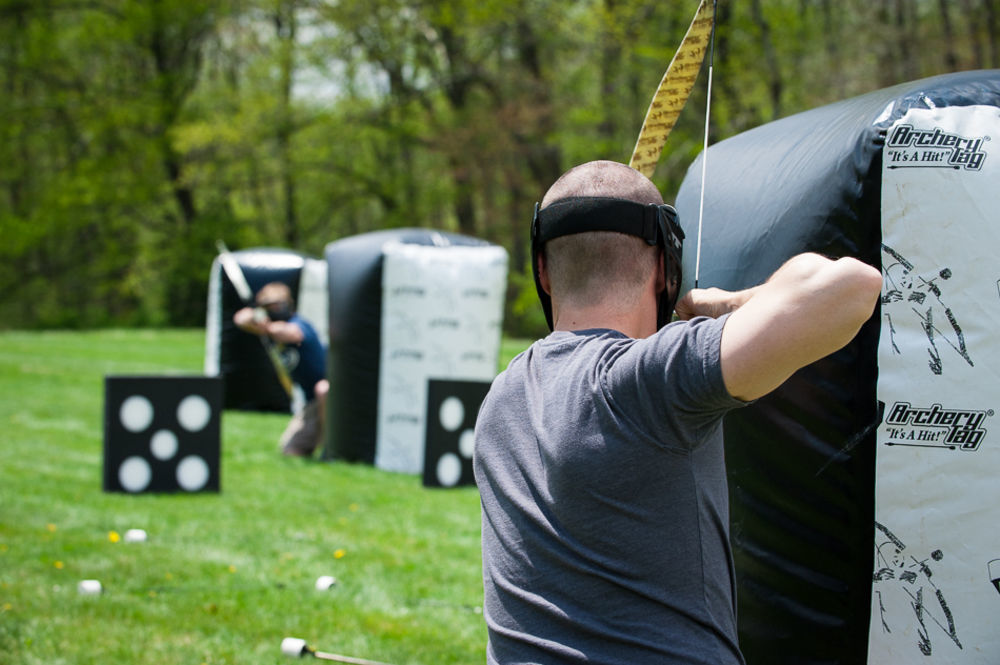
(704,150)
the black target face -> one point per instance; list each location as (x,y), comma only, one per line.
(452,407)
(161,434)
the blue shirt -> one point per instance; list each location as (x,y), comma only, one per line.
(306,361)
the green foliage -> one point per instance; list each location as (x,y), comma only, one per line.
(222,577)
(136,132)
(524,313)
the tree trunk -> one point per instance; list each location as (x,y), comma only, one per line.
(610,68)
(950,58)
(775,84)
(991,32)
(465,204)
(969,15)
(906,38)
(285,25)
(831,44)
(169,67)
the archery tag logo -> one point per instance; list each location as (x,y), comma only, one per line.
(911,148)
(936,427)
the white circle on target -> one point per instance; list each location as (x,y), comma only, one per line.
(192,473)
(467,443)
(163,445)
(193,413)
(451,414)
(134,474)
(449,470)
(136,413)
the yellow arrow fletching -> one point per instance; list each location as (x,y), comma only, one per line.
(673,91)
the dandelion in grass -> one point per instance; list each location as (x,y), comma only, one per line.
(59,565)
(114,536)
(232,568)
(339,554)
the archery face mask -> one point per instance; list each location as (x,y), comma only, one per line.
(656,224)
(278,310)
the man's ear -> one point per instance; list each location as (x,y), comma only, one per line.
(661,273)
(543,273)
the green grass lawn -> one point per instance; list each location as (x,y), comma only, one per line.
(222,577)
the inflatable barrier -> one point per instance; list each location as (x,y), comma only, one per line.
(406,306)
(864,494)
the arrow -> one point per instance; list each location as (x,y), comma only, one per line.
(296,648)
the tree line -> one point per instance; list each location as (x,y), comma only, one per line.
(135,133)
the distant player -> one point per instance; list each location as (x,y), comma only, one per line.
(303,355)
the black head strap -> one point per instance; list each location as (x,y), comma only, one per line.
(656,224)
(587,214)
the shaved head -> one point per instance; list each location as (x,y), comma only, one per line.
(601,267)
(604,178)
(275,292)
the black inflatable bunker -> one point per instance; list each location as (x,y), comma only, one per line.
(863,491)
(406,306)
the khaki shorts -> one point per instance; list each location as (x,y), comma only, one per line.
(303,434)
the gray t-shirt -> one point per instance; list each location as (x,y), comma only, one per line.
(600,464)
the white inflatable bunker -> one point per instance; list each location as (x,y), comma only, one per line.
(406,306)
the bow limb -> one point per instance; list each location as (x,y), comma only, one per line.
(674,90)
(239,281)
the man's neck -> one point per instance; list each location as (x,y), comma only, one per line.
(638,323)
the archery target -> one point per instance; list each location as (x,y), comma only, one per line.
(162,434)
(452,407)
(134,474)
(163,445)
(136,413)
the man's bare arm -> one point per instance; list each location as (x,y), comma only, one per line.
(809,308)
(712,302)
(283,332)
(246,319)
